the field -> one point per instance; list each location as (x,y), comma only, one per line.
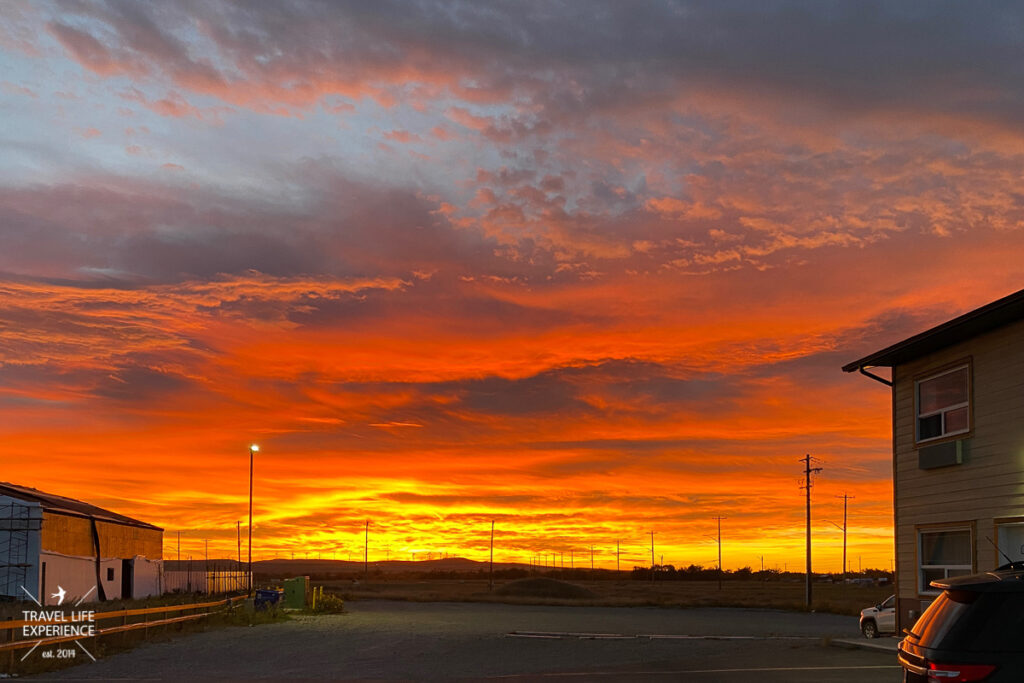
(834,598)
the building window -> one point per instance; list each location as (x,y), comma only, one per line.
(1010,537)
(110,573)
(943,553)
(943,404)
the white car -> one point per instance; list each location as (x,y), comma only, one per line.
(879,619)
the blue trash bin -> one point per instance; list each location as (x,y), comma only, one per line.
(266,598)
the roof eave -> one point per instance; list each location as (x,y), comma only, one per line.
(991,316)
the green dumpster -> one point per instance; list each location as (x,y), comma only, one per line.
(295,592)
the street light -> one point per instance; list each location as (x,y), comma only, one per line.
(252,449)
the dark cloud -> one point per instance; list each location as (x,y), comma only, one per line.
(127,383)
(157,233)
(141,384)
(957,58)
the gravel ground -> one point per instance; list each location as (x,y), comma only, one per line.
(416,641)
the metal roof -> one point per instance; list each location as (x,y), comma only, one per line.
(1007,310)
(69,506)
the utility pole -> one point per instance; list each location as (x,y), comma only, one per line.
(616,555)
(845,498)
(238,536)
(719,519)
(808,471)
(591,557)
(366,550)
(253,448)
(490,583)
(652,556)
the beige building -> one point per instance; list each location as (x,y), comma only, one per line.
(50,542)
(958,448)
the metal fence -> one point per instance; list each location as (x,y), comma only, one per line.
(211,581)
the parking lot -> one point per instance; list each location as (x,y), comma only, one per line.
(415,641)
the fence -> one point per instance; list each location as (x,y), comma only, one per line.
(211,581)
(10,627)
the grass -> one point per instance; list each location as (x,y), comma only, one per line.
(544,588)
(834,598)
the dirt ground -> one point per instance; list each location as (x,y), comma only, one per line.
(417,641)
(836,598)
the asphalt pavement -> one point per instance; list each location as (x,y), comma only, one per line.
(479,641)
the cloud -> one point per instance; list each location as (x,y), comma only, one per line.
(621,289)
(848,62)
(18,90)
(89,51)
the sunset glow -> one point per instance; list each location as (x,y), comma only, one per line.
(448,265)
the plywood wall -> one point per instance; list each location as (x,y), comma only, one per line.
(73,536)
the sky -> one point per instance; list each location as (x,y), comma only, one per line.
(588,270)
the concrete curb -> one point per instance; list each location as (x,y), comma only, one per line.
(878,644)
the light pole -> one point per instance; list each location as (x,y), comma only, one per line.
(252,449)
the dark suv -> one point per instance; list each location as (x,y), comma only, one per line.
(973,631)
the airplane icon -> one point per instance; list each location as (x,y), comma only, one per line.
(59,595)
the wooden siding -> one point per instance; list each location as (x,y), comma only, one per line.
(989,484)
(71,535)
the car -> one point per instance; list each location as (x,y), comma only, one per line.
(879,619)
(971,632)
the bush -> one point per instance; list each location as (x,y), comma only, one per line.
(329,603)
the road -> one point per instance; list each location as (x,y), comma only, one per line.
(417,641)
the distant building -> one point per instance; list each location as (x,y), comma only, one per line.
(49,542)
(958,448)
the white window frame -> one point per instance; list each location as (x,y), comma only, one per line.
(1015,555)
(918,415)
(922,586)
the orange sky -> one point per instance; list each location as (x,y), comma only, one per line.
(454,267)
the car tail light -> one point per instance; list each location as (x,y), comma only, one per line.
(958,673)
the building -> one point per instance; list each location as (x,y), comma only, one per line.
(49,543)
(958,448)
